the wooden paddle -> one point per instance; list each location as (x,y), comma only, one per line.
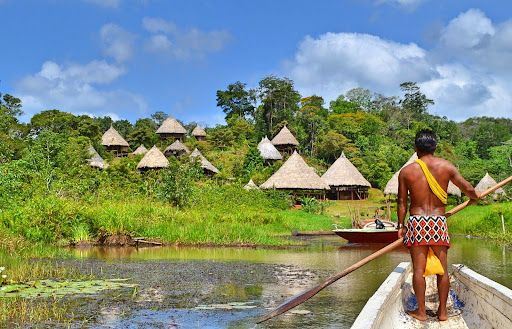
(302,297)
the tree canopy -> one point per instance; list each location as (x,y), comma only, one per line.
(375,131)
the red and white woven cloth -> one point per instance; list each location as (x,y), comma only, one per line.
(426,231)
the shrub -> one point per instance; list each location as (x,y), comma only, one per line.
(312,205)
(176,182)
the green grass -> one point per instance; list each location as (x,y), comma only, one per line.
(484,220)
(197,226)
(25,261)
(217,216)
(343,210)
(22,312)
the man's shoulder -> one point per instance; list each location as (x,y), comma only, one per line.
(443,162)
(406,170)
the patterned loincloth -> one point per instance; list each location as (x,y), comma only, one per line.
(425,230)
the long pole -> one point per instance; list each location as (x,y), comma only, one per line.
(302,297)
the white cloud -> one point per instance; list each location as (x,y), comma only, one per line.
(75,88)
(159,43)
(117,42)
(112,115)
(105,3)
(156,25)
(168,40)
(336,62)
(406,4)
(471,29)
(467,73)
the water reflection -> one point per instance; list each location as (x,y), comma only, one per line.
(296,270)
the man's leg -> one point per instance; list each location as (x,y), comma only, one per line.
(419,260)
(443,282)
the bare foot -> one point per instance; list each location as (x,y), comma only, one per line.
(417,315)
(442,316)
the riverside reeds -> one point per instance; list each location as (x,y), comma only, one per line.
(216,215)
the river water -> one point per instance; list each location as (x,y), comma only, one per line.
(186,287)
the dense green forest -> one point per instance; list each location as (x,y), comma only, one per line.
(49,192)
(374,131)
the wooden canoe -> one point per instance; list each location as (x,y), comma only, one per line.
(369,234)
(474,301)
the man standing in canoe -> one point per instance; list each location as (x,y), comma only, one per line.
(426,182)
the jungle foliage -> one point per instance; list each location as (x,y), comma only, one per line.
(49,193)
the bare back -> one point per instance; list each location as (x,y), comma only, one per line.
(423,201)
(412,181)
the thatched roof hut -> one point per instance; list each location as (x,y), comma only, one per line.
(177,148)
(199,133)
(392,185)
(284,141)
(171,128)
(113,141)
(295,174)
(251,186)
(343,173)
(140,150)
(485,183)
(96,161)
(153,159)
(208,168)
(268,151)
(345,180)
(453,190)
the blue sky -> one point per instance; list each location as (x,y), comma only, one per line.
(130,58)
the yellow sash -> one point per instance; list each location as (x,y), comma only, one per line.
(432,182)
(433,265)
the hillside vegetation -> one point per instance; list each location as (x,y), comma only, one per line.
(49,193)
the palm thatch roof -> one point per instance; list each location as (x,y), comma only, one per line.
(198,131)
(140,150)
(453,190)
(112,138)
(153,159)
(343,173)
(485,183)
(285,137)
(295,174)
(177,147)
(171,126)
(205,164)
(96,160)
(268,151)
(251,186)
(392,185)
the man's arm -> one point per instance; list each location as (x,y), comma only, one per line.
(402,200)
(463,184)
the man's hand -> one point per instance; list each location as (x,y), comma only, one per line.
(473,201)
(401,231)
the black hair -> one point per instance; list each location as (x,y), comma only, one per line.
(425,141)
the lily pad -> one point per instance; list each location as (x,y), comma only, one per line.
(300,312)
(52,288)
(227,307)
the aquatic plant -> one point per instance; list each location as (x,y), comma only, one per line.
(53,288)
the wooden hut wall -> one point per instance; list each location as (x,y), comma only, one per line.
(348,193)
(299,194)
(166,136)
(286,149)
(119,151)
